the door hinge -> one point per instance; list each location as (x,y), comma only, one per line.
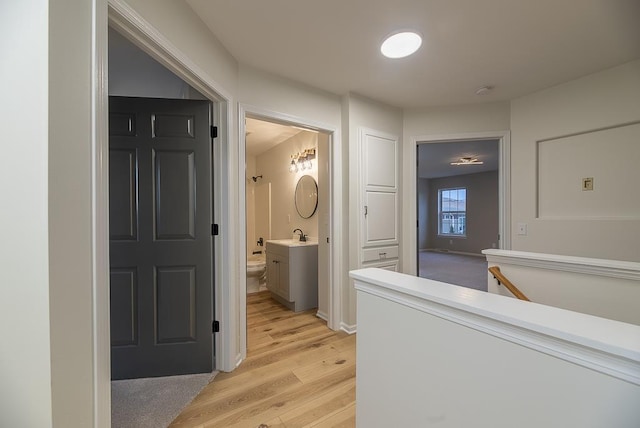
(214,229)
(214,131)
(215,327)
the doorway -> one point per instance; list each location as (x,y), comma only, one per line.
(160,160)
(458,209)
(271,143)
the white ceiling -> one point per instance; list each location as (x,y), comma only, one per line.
(516,46)
(262,136)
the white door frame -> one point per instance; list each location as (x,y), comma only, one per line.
(504,186)
(129,23)
(335,205)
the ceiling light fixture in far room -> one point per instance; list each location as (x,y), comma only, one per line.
(483,90)
(468,161)
(400,45)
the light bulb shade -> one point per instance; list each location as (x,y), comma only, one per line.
(293,167)
(400,45)
(307,163)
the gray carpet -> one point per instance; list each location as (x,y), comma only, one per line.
(458,269)
(153,402)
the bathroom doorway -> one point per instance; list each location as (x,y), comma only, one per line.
(271,146)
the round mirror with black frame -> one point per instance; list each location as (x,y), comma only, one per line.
(306,197)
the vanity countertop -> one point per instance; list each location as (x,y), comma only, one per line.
(292,242)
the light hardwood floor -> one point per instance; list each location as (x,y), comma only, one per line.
(298,373)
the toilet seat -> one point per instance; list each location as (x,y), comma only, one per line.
(256,266)
(256,272)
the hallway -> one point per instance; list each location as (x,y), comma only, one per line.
(298,373)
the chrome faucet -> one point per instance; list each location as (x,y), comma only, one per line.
(303,237)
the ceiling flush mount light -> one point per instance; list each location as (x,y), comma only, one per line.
(400,45)
(468,161)
(484,90)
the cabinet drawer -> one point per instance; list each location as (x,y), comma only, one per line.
(387,264)
(380,253)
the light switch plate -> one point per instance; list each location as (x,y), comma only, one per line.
(522,228)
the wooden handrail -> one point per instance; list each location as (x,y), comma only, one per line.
(495,271)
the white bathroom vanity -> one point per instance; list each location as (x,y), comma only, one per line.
(292,273)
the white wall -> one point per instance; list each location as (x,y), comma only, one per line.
(604,288)
(456,119)
(273,93)
(176,21)
(273,165)
(71,246)
(482,212)
(601,100)
(362,113)
(438,121)
(134,73)
(564,162)
(25,389)
(444,356)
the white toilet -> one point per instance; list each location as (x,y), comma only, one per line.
(256,272)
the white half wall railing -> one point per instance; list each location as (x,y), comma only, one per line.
(435,354)
(604,288)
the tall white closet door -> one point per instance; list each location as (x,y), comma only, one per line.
(378,195)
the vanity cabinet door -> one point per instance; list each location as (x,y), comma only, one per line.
(278,275)
(273,274)
(292,275)
(284,288)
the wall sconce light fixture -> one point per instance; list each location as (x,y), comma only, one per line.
(301,161)
(293,167)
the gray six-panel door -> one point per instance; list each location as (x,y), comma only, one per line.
(160,237)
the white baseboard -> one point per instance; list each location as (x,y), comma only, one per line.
(445,251)
(322,316)
(349,329)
